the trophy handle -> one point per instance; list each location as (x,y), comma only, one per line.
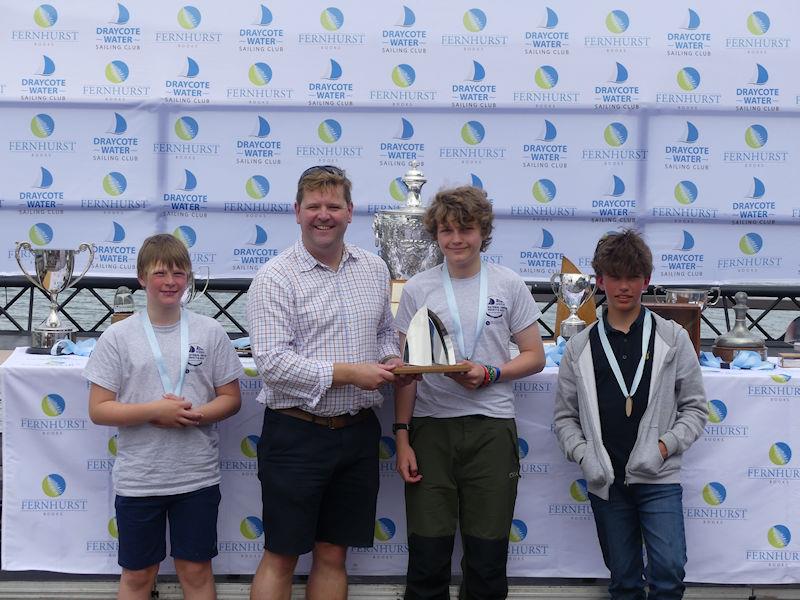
(27,246)
(555,283)
(661,299)
(593,283)
(81,248)
(717,292)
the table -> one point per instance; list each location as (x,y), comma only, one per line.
(741,483)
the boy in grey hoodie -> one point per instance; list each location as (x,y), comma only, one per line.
(630,401)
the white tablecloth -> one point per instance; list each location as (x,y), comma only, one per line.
(741,483)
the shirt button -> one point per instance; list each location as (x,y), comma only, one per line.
(624,357)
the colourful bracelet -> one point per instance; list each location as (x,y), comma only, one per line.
(486,376)
(492,374)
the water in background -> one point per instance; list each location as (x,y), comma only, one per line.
(87,310)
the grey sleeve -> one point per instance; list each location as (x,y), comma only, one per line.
(104,367)
(690,395)
(566,417)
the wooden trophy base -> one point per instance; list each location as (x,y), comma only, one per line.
(422,369)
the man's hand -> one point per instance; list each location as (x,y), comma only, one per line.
(401,380)
(662,447)
(472,379)
(174,411)
(406,459)
(371,376)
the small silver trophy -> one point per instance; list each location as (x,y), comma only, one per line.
(428,348)
(574,290)
(124,306)
(404,243)
(54,270)
(739,338)
(688,296)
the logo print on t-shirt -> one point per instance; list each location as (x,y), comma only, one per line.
(495,308)
(196,355)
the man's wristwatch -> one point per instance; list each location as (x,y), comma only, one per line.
(398,426)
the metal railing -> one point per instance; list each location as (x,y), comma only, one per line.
(224,299)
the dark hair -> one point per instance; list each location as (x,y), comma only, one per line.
(465,205)
(162,249)
(323,177)
(622,254)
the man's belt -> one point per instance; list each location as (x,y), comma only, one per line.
(336,422)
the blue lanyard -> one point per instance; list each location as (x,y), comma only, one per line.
(159,358)
(614,364)
(483,303)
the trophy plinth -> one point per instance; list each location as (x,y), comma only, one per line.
(54,270)
(404,244)
(739,338)
(574,290)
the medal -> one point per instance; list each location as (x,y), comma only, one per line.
(614,364)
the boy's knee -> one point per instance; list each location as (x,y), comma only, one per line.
(194,574)
(139,579)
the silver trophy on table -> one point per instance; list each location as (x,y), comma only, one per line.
(700,297)
(574,290)
(54,270)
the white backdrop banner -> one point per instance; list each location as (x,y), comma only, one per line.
(124,119)
(741,483)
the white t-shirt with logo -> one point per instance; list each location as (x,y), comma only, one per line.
(154,461)
(511,309)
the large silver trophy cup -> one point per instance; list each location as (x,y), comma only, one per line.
(54,269)
(574,290)
(405,245)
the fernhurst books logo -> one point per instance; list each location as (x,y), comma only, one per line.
(719,427)
(527,467)
(714,493)
(333,35)
(779,468)
(403,91)
(617,38)
(403,75)
(246,463)
(117,71)
(331,19)
(115,183)
(688,95)
(544,191)
(546,77)
(40,234)
(545,90)
(474,35)
(577,508)
(751,243)
(686,192)
(779,536)
(259,74)
(518,549)
(329,131)
(398,190)
(42,125)
(53,405)
(257,187)
(186,234)
(579,491)
(616,150)
(248,542)
(386,448)
(186,128)
(189,17)
(53,503)
(714,510)
(473,132)
(522,448)
(547,38)
(45,16)
(756,138)
(386,541)
(756,40)
(108,546)
(752,258)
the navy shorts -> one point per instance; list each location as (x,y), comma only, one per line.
(317,484)
(142,522)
